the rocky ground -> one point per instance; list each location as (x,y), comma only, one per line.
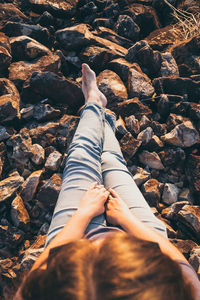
(152,81)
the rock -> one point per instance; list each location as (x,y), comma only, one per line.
(194,259)
(97,56)
(88,12)
(9,12)
(163,106)
(68,127)
(183,135)
(57,8)
(121,67)
(29,257)
(50,85)
(9,101)
(140,175)
(185,195)
(129,145)
(189,217)
(45,112)
(75,37)
(102,22)
(5,55)
(194,111)
(132,124)
(9,186)
(5,133)
(158,128)
(193,172)
(46,19)
(145,136)
(120,128)
(133,107)
(30,186)
(36,32)
(155,144)
(21,71)
(10,239)
(164,10)
(38,154)
(186,55)
(27,112)
(185,246)
(170,212)
(19,214)
(151,159)
(173,157)
(126,27)
(2,158)
(53,161)
(139,85)
(170,193)
(26,48)
(112,87)
(144,122)
(150,190)
(49,191)
(168,65)
(143,54)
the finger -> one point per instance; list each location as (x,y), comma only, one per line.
(113,193)
(92,185)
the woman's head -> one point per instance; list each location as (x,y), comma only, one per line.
(119,267)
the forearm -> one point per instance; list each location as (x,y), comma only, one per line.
(72,231)
(137,228)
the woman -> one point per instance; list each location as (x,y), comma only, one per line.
(104,241)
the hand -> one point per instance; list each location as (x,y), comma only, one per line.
(92,203)
(116,209)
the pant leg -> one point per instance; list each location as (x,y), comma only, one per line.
(116,176)
(83,166)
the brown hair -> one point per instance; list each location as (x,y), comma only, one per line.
(120,267)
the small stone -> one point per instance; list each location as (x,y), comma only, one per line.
(145,136)
(144,122)
(58,8)
(30,186)
(129,145)
(168,65)
(53,161)
(126,27)
(185,195)
(133,107)
(19,214)
(194,259)
(170,212)
(140,176)
(193,172)
(27,112)
(132,124)
(5,133)
(185,246)
(38,154)
(155,144)
(150,190)
(189,216)
(49,191)
(120,128)
(183,135)
(9,186)
(45,112)
(170,193)
(151,159)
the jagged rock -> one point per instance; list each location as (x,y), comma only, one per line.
(172,157)
(5,55)
(50,85)
(9,186)
(30,185)
(145,136)
(129,145)
(139,85)
(144,121)
(163,106)
(38,154)
(185,246)
(168,65)
(97,56)
(19,214)
(36,32)
(57,8)
(121,67)
(158,128)
(189,216)
(151,159)
(173,120)
(53,161)
(185,195)
(26,48)
(44,135)
(155,144)
(29,258)
(186,55)
(21,71)
(45,112)
(49,191)
(2,157)
(194,259)
(10,238)
(5,133)
(9,12)
(98,22)
(133,107)
(170,193)
(126,27)
(151,192)
(68,127)
(112,86)
(193,172)
(143,54)
(88,12)
(27,112)
(9,101)
(164,10)
(140,175)
(120,128)
(173,85)
(46,19)
(194,111)
(183,135)
(170,212)
(132,124)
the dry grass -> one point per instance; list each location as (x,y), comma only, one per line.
(187,25)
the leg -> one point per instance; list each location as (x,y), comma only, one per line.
(116,176)
(83,164)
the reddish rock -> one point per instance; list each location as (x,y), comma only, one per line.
(129,145)
(5,59)
(120,128)
(121,67)
(44,135)
(194,111)
(21,71)
(140,175)
(155,144)
(194,259)
(19,214)
(189,216)
(49,191)
(193,172)
(151,159)
(9,101)
(132,124)
(133,107)
(150,190)
(145,136)
(53,161)
(57,8)
(185,246)
(30,186)
(168,65)
(38,154)
(9,12)
(170,212)
(9,186)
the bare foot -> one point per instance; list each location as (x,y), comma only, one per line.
(90,88)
